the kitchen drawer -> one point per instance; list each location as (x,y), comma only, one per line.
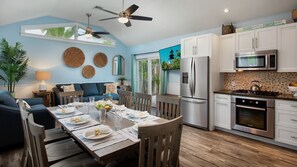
(223,98)
(286,118)
(286,105)
(286,135)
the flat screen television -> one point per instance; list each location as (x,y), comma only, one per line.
(170,58)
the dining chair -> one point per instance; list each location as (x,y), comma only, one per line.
(160,144)
(68,97)
(125,98)
(39,151)
(143,102)
(168,107)
(56,151)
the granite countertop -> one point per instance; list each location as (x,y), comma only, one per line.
(279,97)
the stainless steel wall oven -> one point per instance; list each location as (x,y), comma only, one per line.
(253,115)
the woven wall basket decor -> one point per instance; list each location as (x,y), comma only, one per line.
(88,71)
(74,57)
(100,59)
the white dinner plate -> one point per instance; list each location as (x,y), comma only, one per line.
(82,119)
(135,127)
(138,114)
(90,133)
(66,110)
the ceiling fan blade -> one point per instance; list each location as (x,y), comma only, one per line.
(108,11)
(101,33)
(143,18)
(131,9)
(128,24)
(96,36)
(108,18)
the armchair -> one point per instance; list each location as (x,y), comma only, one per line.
(10,118)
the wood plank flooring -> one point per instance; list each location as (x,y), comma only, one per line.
(210,149)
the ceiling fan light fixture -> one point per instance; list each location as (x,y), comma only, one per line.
(123,20)
(88,36)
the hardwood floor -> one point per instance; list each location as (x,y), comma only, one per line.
(217,148)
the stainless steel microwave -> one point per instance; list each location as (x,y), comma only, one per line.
(260,60)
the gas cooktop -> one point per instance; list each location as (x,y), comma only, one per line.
(260,93)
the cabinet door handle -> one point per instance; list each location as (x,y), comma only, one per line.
(256,42)
(253,42)
(295,120)
(293,137)
(293,106)
(222,98)
(193,50)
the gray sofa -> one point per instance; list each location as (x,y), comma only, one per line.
(96,90)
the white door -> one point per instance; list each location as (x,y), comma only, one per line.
(245,41)
(287,48)
(188,47)
(203,43)
(227,53)
(266,39)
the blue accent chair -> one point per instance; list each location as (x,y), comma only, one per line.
(10,119)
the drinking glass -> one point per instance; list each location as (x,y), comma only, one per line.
(92,100)
(102,115)
(118,120)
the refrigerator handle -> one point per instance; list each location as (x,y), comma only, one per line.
(191,78)
(194,78)
(194,100)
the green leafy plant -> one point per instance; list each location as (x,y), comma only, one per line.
(13,64)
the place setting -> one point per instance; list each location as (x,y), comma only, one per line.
(98,137)
(78,122)
(64,112)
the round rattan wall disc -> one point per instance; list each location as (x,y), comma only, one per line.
(88,71)
(100,59)
(74,57)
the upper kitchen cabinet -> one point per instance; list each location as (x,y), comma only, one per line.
(197,46)
(227,53)
(257,40)
(287,48)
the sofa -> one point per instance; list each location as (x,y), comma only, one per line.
(96,90)
(10,119)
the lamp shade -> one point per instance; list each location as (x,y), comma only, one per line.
(42,75)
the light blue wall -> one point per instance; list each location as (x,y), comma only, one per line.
(48,54)
(160,44)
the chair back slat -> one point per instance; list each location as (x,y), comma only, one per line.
(39,155)
(125,98)
(143,102)
(165,139)
(67,97)
(168,107)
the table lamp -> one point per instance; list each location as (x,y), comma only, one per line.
(42,76)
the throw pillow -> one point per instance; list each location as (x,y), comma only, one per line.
(7,99)
(111,88)
(69,88)
(27,106)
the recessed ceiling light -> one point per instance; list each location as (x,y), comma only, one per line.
(226,10)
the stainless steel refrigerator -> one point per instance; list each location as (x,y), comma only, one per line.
(194,91)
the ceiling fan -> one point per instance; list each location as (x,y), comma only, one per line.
(89,32)
(126,15)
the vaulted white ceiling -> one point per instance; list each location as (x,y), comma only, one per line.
(170,17)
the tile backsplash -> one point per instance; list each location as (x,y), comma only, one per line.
(270,80)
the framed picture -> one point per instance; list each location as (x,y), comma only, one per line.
(170,58)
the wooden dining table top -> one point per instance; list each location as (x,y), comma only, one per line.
(112,152)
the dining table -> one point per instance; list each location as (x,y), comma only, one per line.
(121,141)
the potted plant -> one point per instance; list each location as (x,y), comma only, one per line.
(122,79)
(13,64)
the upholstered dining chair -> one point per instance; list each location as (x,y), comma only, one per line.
(40,157)
(125,98)
(143,102)
(168,107)
(68,97)
(160,144)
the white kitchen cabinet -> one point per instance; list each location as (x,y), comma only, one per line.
(287,48)
(257,40)
(227,53)
(286,122)
(197,46)
(222,110)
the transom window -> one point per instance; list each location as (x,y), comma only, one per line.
(70,32)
